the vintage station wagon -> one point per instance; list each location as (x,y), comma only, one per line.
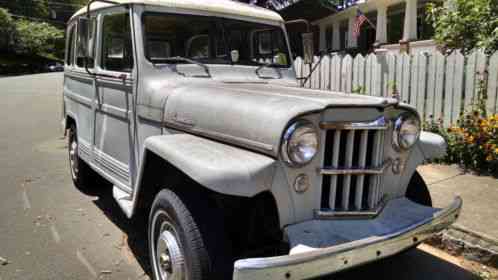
(193,111)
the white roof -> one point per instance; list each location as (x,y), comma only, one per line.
(227,7)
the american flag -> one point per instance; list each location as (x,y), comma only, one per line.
(360,19)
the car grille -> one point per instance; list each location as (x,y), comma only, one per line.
(352,168)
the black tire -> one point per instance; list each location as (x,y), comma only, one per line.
(199,233)
(417,191)
(82,175)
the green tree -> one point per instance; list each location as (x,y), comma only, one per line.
(35,38)
(27,8)
(465,24)
(6,29)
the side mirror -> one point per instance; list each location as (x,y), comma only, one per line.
(308,48)
(85,36)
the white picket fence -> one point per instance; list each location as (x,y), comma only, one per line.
(439,86)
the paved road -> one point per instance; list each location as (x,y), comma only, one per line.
(50,230)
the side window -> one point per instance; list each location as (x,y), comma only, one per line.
(82,45)
(270,47)
(116,43)
(158,49)
(264,43)
(70,46)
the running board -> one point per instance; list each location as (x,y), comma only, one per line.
(123,199)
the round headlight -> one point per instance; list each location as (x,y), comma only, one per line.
(300,143)
(406,131)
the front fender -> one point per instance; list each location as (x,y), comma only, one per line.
(216,166)
(430,146)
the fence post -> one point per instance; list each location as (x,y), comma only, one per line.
(335,73)
(325,73)
(453,88)
(476,64)
(347,74)
(435,85)
(358,74)
(315,77)
(403,76)
(493,84)
(381,72)
(298,67)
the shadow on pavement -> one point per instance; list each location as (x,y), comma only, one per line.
(411,265)
(135,229)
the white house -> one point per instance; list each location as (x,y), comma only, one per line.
(398,25)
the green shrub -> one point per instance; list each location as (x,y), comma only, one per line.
(473,141)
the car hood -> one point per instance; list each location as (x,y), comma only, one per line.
(251,115)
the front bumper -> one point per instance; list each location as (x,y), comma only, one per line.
(335,245)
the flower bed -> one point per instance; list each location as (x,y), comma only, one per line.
(472,142)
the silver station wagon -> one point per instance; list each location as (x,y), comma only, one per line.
(193,111)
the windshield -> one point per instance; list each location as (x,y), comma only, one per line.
(213,40)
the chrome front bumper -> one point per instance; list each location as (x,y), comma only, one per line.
(401,225)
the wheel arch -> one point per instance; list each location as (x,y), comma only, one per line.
(70,119)
(185,160)
(257,214)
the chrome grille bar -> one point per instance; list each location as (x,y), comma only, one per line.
(353,167)
(335,163)
(375,161)
(355,171)
(361,163)
(346,183)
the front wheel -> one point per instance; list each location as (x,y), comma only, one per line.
(418,191)
(181,246)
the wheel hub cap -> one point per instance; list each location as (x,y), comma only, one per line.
(169,257)
(73,157)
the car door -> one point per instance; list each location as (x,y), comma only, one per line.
(115,86)
(79,92)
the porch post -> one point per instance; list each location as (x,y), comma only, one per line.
(323,37)
(336,36)
(381,29)
(410,28)
(353,42)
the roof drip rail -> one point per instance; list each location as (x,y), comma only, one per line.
(302,21)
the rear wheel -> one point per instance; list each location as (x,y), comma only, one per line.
(187,239)
(418,191)
(81,173)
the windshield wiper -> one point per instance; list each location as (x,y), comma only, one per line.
(181,58)
(271,65)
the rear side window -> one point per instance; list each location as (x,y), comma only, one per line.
(70,47)
(116,43)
